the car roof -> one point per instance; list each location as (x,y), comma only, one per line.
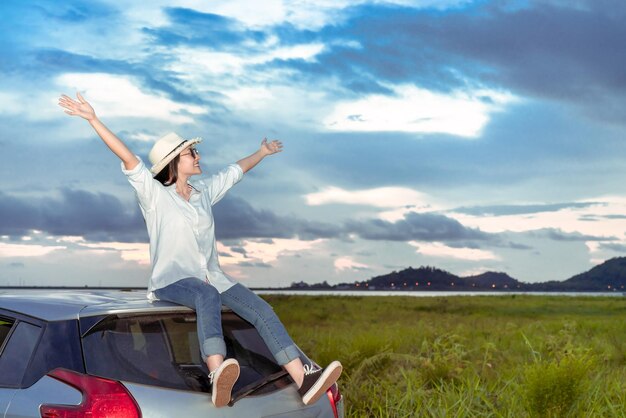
(63,304)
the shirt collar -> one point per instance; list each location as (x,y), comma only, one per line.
(172,188)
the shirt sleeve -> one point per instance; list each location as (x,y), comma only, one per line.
(217,185)
(145,186)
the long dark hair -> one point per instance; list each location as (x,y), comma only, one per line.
(169,174)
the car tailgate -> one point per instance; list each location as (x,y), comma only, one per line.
(167,403)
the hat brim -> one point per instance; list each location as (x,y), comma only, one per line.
(156,169)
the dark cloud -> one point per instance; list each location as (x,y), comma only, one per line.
(416,226)
(95,216)
(620,248)
(503,210)
(551,50)
(102,217)
(517,246)
(253,264)
(559,235)
(239,250)
(54,61)
(236,218)
(190,27)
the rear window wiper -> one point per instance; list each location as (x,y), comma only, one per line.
(255,386)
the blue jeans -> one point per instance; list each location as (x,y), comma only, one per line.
(207,302)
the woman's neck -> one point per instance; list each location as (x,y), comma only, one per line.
(182,187)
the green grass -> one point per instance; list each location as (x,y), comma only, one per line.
(478,356)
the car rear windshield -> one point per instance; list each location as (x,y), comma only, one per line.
(163,350)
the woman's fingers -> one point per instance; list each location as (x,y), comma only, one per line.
(276,146)
(80,98)
(67,102)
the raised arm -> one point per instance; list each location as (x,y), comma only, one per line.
(84,110)
(267,148)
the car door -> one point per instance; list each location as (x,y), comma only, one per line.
(6,393)
(18,344)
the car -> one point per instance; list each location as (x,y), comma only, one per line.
(114,353)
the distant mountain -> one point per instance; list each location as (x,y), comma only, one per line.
(606,277)
(414,278)
(494,280)
(432,278)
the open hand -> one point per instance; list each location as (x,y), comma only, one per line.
(77,108)
(272,147)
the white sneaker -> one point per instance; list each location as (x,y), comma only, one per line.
(222,381)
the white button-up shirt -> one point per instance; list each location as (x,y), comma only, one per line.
(182,233)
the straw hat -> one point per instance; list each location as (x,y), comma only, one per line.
(166,149)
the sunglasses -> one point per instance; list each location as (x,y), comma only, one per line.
(192,151)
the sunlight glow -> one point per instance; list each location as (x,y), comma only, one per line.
(417,110)
(265,252)
(347,263)
(385,197)
(128,251)
(18,250)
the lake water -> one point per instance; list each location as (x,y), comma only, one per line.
(425,294)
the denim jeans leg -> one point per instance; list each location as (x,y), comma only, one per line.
(205,300)
(260,314)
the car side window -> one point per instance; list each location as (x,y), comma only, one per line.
(5,328)
(18,350)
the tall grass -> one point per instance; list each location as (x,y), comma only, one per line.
(479,356)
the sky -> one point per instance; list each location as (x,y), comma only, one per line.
(471,136)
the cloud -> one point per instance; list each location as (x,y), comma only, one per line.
(136,251)
(416,227)
(9,250)
(503,210)
(569,217)
(101,217)
(347,263)
(620,248)
(303,15)
(540,50)
(235,218)
(558,235)
(95,216)
(260,251)
(438,249)
(383,197)
(191,27)
(417,110)
(251,264)
(108,90)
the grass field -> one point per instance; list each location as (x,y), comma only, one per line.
(468,356)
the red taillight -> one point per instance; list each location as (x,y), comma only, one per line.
(102,398)
(334,396)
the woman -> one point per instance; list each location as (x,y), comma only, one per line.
(183,252)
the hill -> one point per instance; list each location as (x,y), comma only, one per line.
(606,277)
